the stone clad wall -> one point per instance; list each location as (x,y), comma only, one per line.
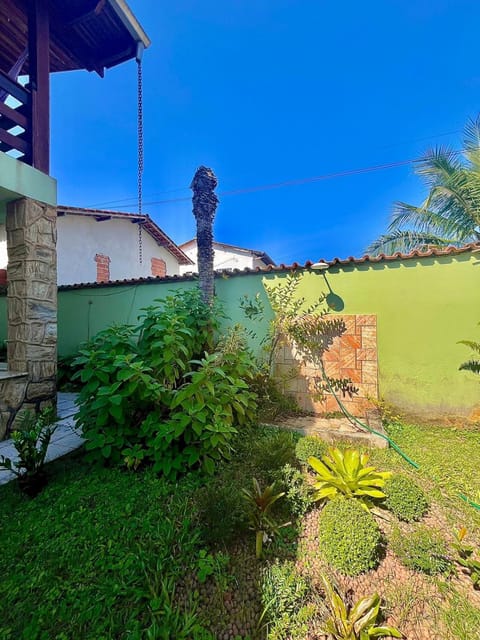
(31,309)
(353,356)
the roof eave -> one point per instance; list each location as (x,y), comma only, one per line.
(130,22)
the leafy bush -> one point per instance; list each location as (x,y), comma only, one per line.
(66,371)
(309,446)
(405,498)
(284,595)
(423,550)
(349,537)
(298,493)
(346,473)
(152,394)
(221,510)
(271,452)
(272,403)
(263,451)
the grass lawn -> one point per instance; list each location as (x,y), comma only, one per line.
(103,553)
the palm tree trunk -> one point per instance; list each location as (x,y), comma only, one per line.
(204,207)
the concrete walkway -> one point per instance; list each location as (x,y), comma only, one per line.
(66,438)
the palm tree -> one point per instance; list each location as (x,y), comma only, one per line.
(204,207)
(450,215)
(473,364)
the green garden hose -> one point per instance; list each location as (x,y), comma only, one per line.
(352,419)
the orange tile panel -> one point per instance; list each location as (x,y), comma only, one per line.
(355,375)
(366,354)
(352,341)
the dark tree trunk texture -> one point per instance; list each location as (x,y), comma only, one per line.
(204,207)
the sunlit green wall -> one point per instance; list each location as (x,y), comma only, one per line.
(423,307)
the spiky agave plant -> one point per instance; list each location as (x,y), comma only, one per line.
(346,473)
(356,622)
(260,503)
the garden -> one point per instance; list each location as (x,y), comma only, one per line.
(186,515)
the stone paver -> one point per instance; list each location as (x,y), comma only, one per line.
(332,429)
(67,436)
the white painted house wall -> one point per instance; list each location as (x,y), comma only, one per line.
(222,259)
(80,238)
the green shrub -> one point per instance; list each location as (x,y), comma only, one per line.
(309,446)
(222,511)
(272,403)
(271,451)
(66,371)
(423,550)
(298,494)
(153,394)
(349,537)
(284,595)
(405,498)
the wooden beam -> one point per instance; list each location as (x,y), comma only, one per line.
(11,117)
(39,67)
(14,142)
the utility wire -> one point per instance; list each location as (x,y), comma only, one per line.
(297,182)
(277,185)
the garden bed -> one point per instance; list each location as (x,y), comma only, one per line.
(105,553)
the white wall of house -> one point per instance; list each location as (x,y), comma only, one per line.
(223,259)
(80,238)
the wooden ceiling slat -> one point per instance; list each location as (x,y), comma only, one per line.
(83,35)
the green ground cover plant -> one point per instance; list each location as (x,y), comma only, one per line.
(99,555)
(285,601)
(405,498)
(308,446)
(349,537)
(423,549)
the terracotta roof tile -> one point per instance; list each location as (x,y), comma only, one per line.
(472,247)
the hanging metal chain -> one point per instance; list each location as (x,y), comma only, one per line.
(140,154)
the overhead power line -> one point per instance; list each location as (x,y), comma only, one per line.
(132,199)
(295,182)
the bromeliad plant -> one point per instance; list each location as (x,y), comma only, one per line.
(31,440)
(346,473)
(260,504)
(465,557)
(356,622)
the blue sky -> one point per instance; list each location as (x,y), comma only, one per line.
(268,91)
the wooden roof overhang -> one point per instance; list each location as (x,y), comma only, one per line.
(38,37)
(84,34)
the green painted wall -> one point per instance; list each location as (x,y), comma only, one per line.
(423,307)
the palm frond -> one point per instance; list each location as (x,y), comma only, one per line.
(471,134)
(471,365)
(405,241)
(450,214)
(474,346)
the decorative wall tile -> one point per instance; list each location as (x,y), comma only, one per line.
(353,356)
